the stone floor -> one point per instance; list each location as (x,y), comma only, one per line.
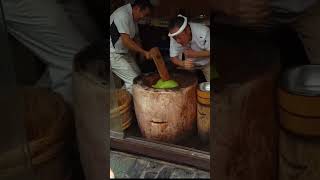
(131,166)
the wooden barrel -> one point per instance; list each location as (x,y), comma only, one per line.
(166,114)
(203,111)
(47,122)
(299,114)
(245,129)
(299,157)
(124,109)
(299,102)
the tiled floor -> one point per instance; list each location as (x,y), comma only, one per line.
(131,166)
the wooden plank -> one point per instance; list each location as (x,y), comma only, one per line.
(115,134)
(161,66)
(163,151)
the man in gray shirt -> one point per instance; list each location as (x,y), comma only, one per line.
(124,38)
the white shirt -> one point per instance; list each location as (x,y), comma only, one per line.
(200,42)
(121,21)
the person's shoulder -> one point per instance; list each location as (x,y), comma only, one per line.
(199,30)
(122,11)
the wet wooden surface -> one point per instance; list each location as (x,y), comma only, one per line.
(244,128)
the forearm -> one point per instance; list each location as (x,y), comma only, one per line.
(138,41)
(177,61)
(132,45)
(202,54)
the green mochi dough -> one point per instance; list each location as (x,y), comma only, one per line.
(165,84)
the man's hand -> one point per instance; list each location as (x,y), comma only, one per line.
(147,55)
(138,41)
(188,64)
(132,45)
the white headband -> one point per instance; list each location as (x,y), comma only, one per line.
(181,28)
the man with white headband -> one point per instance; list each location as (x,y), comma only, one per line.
(124,38)
(192,40)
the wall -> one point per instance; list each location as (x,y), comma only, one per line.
(170,8)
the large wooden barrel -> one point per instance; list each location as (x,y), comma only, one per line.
(299,157)
(48,125)
(90,92)
(166,114)
(203,111)
(299,102)
(245,129)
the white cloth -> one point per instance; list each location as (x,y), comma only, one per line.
(121,21)
(53,31)
(125,67)
(200,42)
(182,27)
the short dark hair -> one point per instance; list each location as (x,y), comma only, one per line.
(143,4)
(176,22)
